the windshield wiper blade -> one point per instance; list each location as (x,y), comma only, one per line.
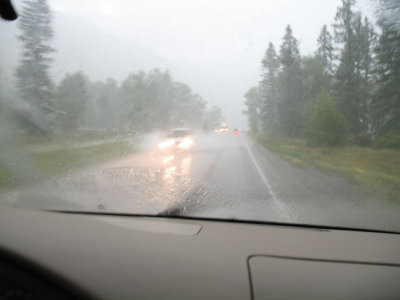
(173,211)
(179,215)
(7,11)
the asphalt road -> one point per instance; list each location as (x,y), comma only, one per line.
(224,176)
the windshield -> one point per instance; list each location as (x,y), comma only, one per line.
(180,133)
(279,111)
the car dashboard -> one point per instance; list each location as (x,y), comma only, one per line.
(54,255)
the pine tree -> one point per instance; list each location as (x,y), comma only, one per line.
(291,91)
(325,56)
(268,85)
(33,80)
(325,51)
(386,103)
(345,93)
(353,75)
(318,70)
(389,15)
(253,99)
(366,41)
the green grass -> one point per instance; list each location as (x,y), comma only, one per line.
(7,179)
(29,142)
(67,159)
(377,170)
(61,161)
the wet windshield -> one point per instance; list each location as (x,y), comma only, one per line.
(276,111)
(180,133)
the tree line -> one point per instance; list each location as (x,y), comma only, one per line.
(347,91)
(143,102)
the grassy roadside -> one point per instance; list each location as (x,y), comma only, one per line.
(377,170)
(61,161)
(63,139)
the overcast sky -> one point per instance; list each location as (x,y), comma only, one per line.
(226,38)
(207,31)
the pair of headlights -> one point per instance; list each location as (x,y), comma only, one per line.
(184,144)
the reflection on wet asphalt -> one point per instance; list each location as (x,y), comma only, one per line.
(224,176)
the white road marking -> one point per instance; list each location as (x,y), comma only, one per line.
(282,208)
(260,172)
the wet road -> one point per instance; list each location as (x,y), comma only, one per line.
(224,177)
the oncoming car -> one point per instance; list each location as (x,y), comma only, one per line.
(177,140)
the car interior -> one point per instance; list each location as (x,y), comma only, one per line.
(56,255)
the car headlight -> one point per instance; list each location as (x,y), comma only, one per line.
(186,144)
(165,144)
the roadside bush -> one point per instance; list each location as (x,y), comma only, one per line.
(363,140)
(324,125)
(389,140)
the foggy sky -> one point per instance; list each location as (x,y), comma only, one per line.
(214,46)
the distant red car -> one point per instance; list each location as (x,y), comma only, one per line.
(235,132)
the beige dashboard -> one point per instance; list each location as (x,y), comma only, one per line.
(128,257)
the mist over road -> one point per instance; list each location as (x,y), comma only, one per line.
(224,176)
